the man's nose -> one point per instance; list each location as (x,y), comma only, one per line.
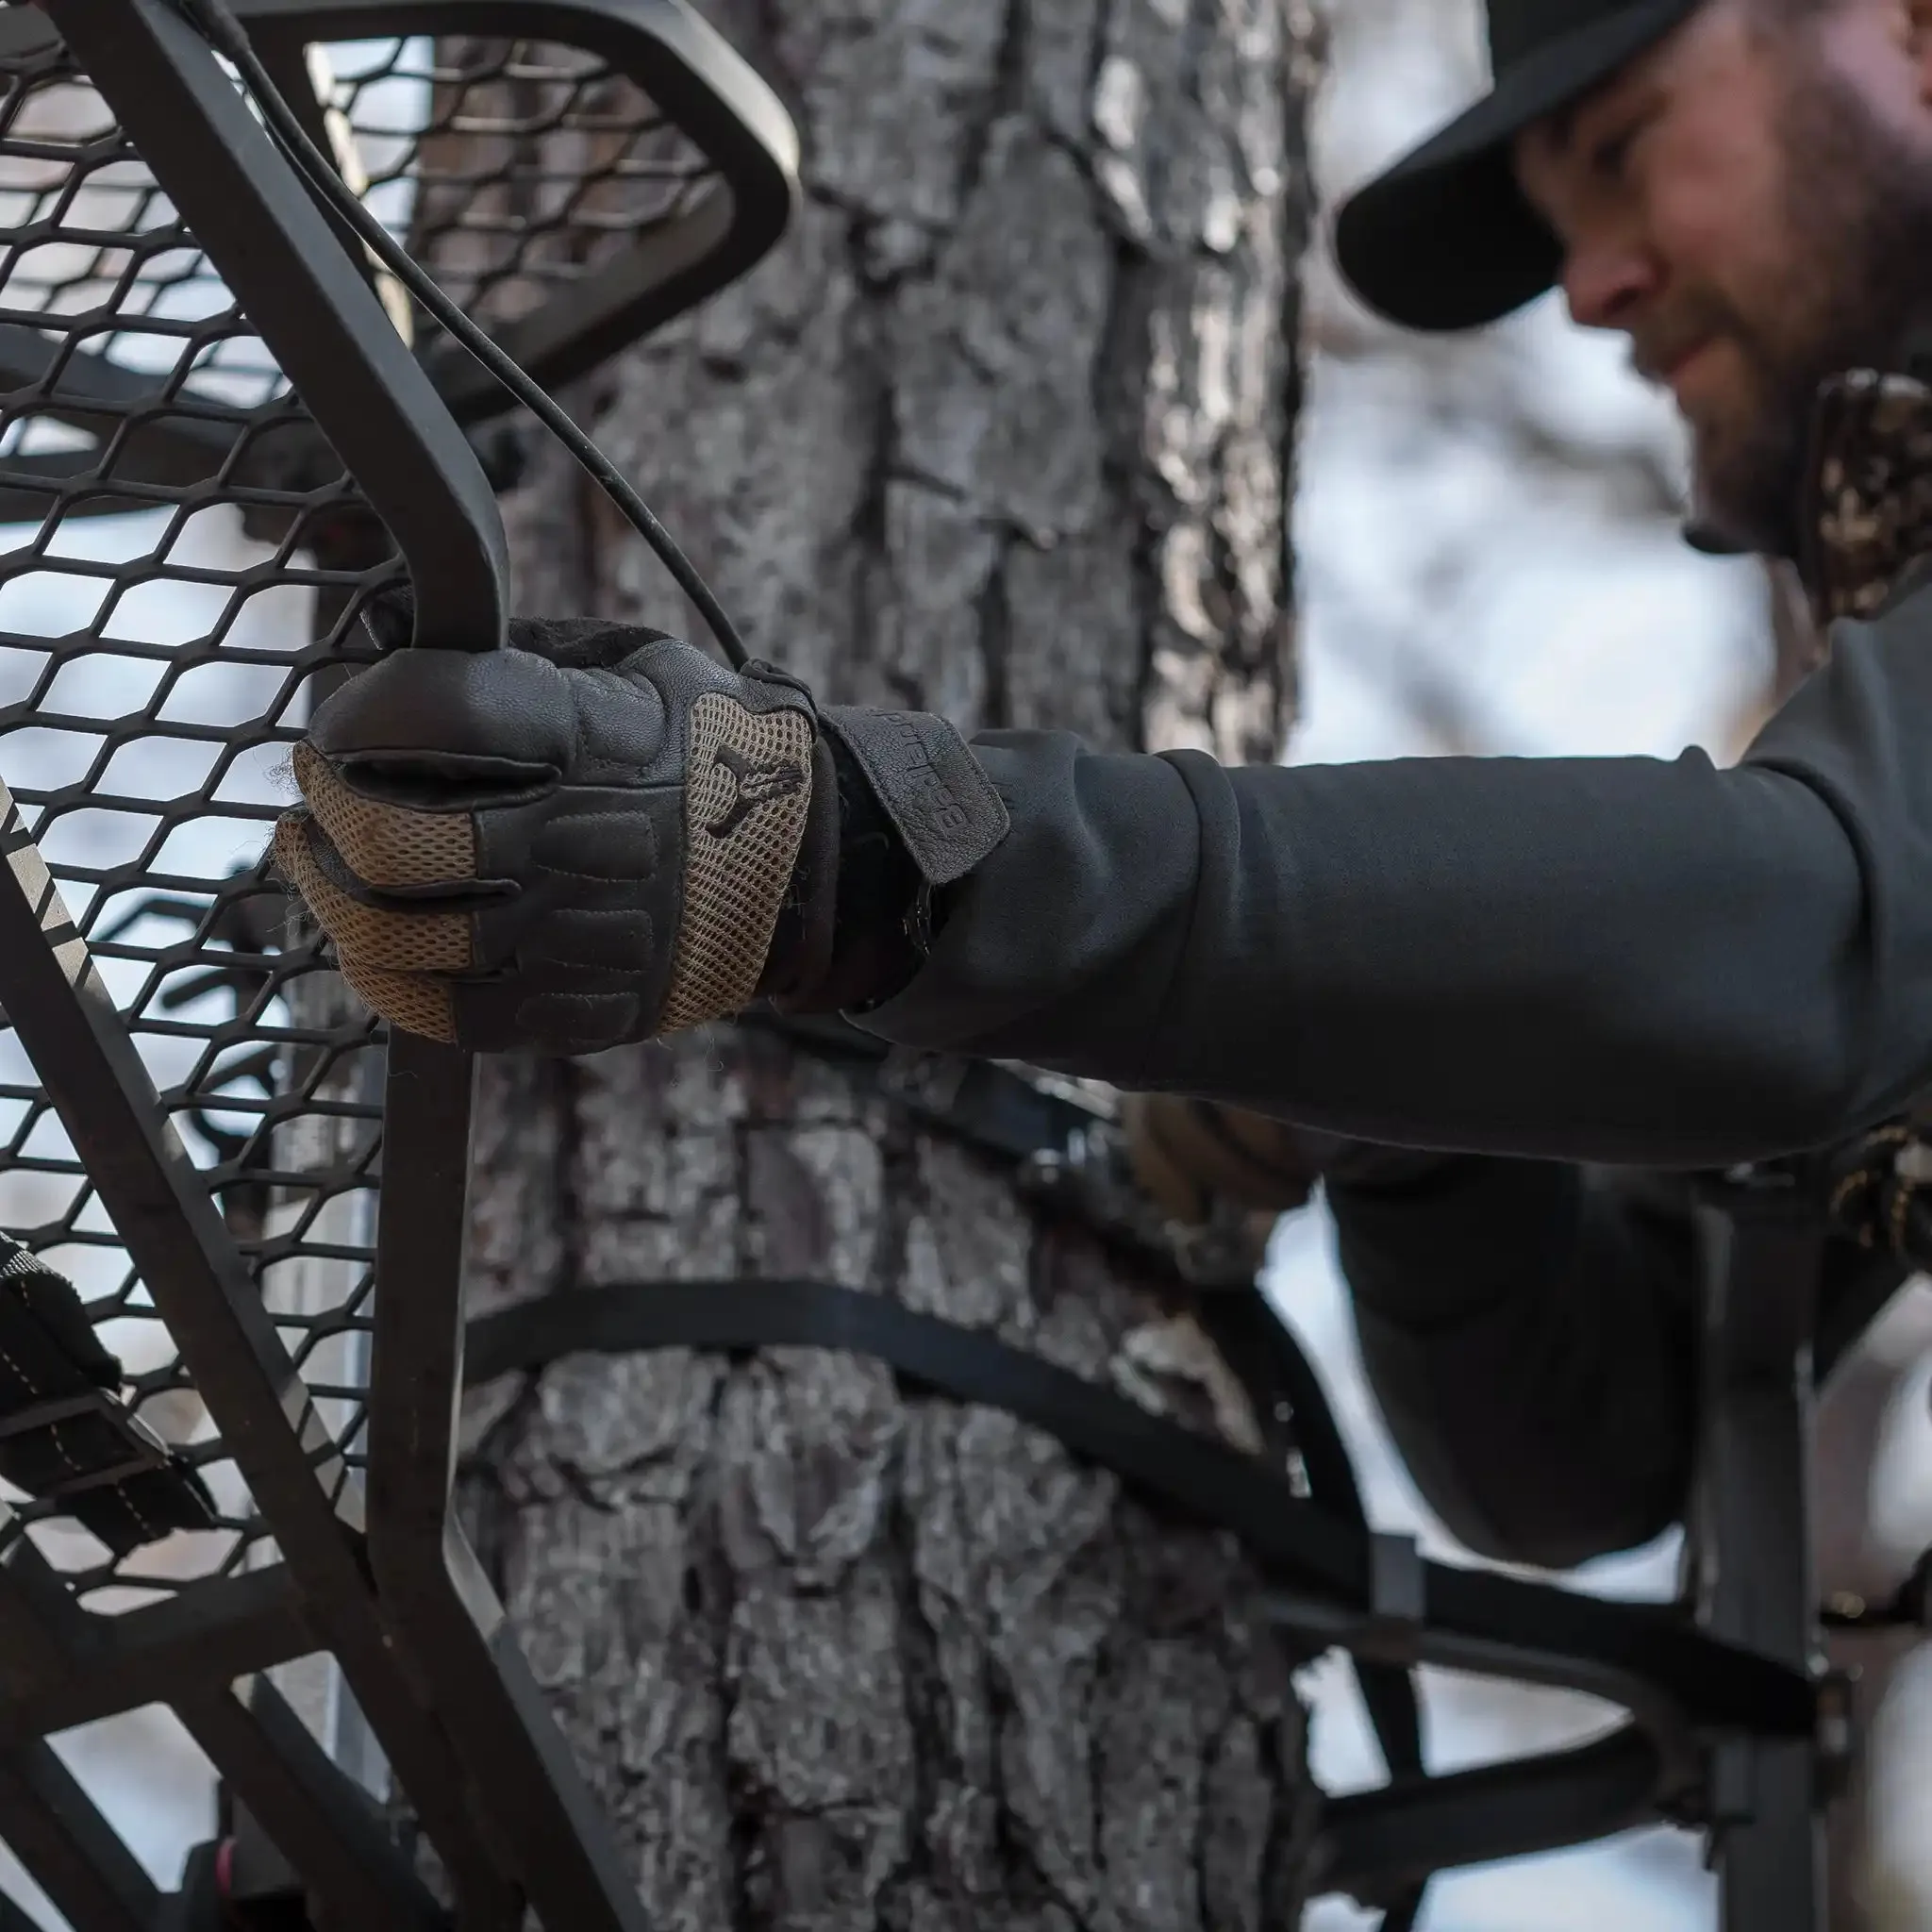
(1607,282)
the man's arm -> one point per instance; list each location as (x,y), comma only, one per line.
(1620,959)
(1529,1331)
(604,837)
(1528,1327)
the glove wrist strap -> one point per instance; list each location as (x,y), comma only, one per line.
(914,812)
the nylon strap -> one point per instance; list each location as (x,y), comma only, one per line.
(1298,1423)
(1668,1668)
(66,1436)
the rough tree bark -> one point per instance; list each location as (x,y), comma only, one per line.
(1005,431)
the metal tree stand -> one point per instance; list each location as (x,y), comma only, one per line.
(230,1161)
(189,340)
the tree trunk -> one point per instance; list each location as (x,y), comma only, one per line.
(1003,430)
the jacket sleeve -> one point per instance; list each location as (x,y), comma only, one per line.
(1629,960)
(1529,1331)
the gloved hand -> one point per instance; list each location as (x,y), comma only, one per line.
(600,835)
(1190,1156)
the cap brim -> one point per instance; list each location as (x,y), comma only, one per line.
(1444,240)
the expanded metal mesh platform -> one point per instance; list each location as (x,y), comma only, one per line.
(172,581)
(161,623)
(191,1109)
(519,170)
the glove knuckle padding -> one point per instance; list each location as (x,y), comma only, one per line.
(615,843)
(506,710)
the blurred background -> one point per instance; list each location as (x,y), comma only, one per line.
(1489,562)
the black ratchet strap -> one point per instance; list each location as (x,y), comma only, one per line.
(1368,1592)
(66,1436)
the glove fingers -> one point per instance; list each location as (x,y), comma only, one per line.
(409,1000)
(388,847)
(374,938)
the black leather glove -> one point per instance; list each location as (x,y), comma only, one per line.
(600,835)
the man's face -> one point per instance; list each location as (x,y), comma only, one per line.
(1752,204)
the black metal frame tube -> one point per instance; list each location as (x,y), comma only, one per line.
(1752,1517)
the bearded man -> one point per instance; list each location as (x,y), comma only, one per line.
(1502,968)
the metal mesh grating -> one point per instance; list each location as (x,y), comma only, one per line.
(182,561)
(518,168)
(169,511)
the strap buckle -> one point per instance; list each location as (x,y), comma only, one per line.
(145,1450)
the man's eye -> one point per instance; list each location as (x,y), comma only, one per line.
(1611,156)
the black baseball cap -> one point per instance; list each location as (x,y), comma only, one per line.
(1444,240)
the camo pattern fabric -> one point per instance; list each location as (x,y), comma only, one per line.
(1870,514)
(1879,1192)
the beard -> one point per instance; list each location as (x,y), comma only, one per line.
(1855,283)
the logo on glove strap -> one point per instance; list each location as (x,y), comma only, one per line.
(756,782)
